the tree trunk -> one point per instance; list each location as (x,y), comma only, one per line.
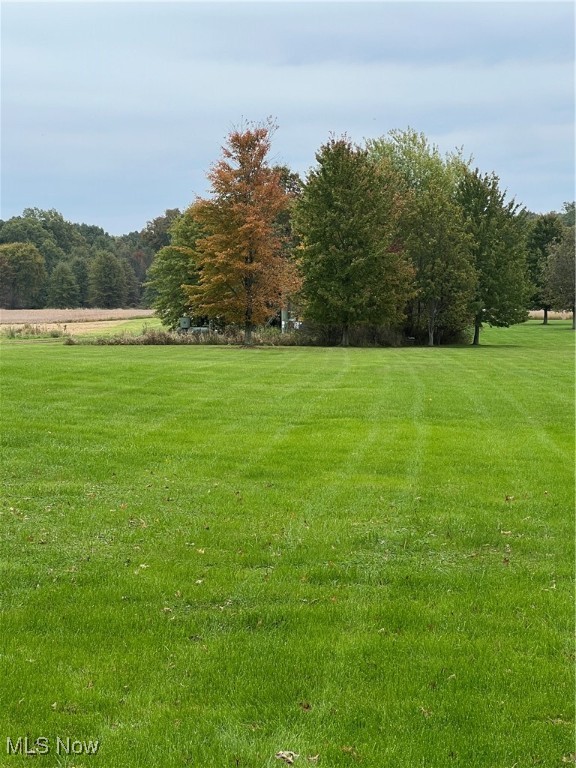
(345,336)
(574,317)
(545,321)
(477,326)
(248,314)
(430,333)
(431,322)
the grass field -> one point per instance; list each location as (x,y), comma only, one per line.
(78,330)
(365,556)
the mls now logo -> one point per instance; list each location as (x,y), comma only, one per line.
(25,745)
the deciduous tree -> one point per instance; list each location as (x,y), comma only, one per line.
(174,268)
(64,233)
(439,248)
(568,214)
(22,276)
(354,272)
(433,233)
(543,231)
(156,233)
(28,229)
(498,231)
(243,272)
(559,275)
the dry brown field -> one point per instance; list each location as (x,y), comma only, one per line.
(78,320)
(75,320)
(539,315)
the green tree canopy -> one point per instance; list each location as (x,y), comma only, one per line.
(498,231)
(156,233)
(439,248)
(64,233)
(63,290)
(172,269)
(354,272)
(80,268)
(567,215)
(22,229)
(132,286)
(22,276)
(559,276)
(432,231)
(418,162)
(543,231)
(107,281)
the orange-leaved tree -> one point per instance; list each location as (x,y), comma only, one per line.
(244,274)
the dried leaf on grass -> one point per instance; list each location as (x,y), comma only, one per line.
(287,756)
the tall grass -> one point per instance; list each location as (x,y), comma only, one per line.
(365,556)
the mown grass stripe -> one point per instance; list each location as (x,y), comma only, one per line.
(211,554)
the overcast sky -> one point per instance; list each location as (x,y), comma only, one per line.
(113,112)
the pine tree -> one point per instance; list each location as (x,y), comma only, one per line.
(107,282)
(63,290)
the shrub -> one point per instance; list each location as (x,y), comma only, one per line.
(28,331)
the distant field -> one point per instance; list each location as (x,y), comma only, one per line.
(59,316)
(80,321)
(213,555)
(539,315)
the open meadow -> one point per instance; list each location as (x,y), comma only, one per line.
(214,555)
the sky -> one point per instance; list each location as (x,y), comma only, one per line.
(113,112)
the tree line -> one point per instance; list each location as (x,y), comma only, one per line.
(387,240)
(46,261)
(379,242)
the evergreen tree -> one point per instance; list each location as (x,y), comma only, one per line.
(132,287)
(107,281)
(80,270)
(63,290)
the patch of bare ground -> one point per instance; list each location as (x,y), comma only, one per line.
(47,317)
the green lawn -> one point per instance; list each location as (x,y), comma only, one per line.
(135,326)
(364,556)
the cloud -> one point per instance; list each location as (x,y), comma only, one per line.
(120,106)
